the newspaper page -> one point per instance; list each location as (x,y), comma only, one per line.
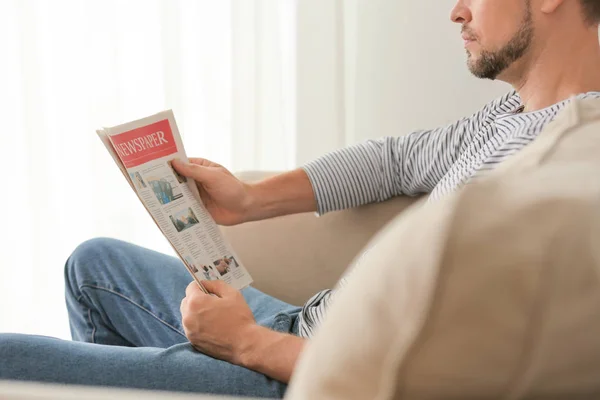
(144,151)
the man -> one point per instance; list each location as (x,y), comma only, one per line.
(125,301)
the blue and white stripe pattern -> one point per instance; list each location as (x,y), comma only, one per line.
(430,161)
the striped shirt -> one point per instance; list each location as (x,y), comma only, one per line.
(430,161)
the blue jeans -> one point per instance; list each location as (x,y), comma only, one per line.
(123,303)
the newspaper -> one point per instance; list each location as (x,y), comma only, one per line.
(144,151)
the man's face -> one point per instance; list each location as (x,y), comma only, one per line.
(497,34)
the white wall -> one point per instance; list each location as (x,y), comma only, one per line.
(410,69)
(372,68)
(319,79)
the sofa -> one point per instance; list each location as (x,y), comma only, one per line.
(290,257)
(491,292)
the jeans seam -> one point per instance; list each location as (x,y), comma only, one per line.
(92,324)
(135,304)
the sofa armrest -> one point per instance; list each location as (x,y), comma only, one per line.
(44,391)
(293,257)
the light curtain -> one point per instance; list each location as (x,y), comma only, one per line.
(67,67)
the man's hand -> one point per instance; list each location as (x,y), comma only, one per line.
(231,201)
(219,325)
(222,326)
(227,199)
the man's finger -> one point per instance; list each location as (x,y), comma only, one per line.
(192,289)
(219,288)
(203,162)
(183,305)
(197,172)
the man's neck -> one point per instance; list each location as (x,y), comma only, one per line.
(556,73)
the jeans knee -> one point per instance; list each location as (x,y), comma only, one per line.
(5,345)
(10,351)
(86,257)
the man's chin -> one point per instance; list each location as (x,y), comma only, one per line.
(479,72)
(472,65)
(472,59)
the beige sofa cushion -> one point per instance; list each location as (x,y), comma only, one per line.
(493,292)
(294,257)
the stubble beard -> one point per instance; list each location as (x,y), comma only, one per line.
(491,64)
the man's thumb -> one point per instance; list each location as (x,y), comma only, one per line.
(220,288)
(197,172)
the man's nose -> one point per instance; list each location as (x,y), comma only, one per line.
(461,14)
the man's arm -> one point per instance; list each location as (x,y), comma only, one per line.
(369,172)
(284,194)
(377,170)
(231,202)
(272,353)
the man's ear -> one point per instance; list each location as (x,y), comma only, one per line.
(550,6)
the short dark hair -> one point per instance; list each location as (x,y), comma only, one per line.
(591,10)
